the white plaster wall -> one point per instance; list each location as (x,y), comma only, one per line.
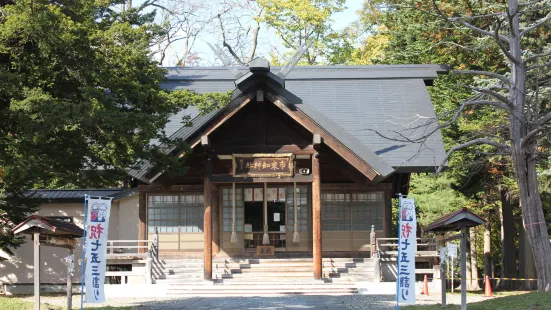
(20,269)
(128,219)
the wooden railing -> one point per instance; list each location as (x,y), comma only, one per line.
(146,250)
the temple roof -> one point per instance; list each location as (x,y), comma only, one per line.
(368,108)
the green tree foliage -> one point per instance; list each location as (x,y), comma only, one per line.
(296,21)
(80,99)
(435,197)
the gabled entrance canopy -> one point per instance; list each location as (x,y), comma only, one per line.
(260,86)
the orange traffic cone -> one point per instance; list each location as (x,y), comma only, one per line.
(425,289)
(488,288)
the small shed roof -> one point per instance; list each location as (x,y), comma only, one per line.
(455,221)
(49,226)
(76,195)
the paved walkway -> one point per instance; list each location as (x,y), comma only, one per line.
(298,302)
(269,303)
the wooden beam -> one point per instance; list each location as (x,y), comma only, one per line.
(142,224)
(69,283)
(227,114)
(316,139)
(205,140)
(215,221)
(316,217)
(328,139)
(172,188)
(387,215)
(207,222)
(262,148)
(231,179)
(36,244)
(354,187)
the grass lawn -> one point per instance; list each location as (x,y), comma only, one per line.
(15,303)
(530,301)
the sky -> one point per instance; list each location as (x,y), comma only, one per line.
(341,20)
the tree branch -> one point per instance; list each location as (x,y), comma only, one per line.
(539,127)
(500,77)
(456,148)
(536,25)
(225,43)
(255,36)
(534,57)
(494,94)
(503,47)
(466,24)
(539,66)
(544,119)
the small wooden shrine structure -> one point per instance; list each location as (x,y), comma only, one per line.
(459,220)
(49,231)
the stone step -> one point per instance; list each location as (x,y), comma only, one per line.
(266,276)
(289,265)
(268,292)
(182,276)
(295,260)
(183,269)
(257,279)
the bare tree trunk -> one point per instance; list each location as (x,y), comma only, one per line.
(474,286)
(508,256)
(488,248)
(527,267)
(523,160)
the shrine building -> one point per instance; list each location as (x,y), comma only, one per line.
(300,165)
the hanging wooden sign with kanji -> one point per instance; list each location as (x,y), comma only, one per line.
(263,165)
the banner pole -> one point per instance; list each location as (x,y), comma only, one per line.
(83,252)
(398,257)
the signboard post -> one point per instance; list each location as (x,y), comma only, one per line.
(452,252)
(443,254)
(97,225)
(407,245)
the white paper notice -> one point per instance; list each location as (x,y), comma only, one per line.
(276,217)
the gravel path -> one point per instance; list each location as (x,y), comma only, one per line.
(265,303)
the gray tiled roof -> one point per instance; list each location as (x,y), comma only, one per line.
(362,100)
(366,107)
(74,194)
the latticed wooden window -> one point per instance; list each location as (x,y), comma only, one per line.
(191,213)
(352,211)
(367,210)
(227,209)
(335,211)
(175,213)
(302,209)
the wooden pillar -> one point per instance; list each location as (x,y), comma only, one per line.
(142,224)
(207,222)
(36,243)
(316,217)
(69,283)
(387,218)
(215,221)
(464,268)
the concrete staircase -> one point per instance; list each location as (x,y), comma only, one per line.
(259,277)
